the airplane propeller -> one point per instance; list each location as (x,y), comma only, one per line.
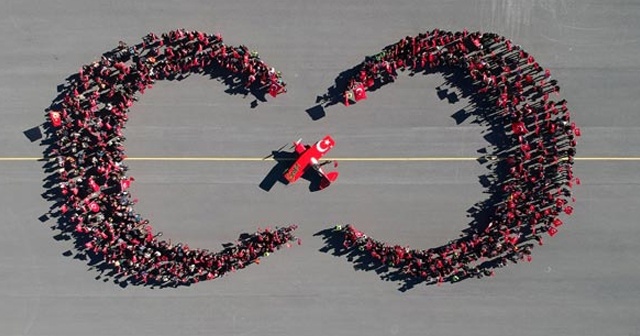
(277,150)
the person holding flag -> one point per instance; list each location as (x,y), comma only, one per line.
(276,88)
(55,118)
(359,92)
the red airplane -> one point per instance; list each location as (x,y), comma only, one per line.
(308,157)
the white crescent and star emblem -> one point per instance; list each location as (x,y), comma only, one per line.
(322,148)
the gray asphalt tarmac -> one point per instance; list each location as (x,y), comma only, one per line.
(584,281)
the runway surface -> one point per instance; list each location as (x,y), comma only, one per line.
(584,281)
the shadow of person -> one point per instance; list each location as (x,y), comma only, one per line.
(316,113)
(334,244)
(33,134)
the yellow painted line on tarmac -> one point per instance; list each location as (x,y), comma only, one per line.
(362,159)
(19,159)
(218,159)
(607,159)
(353,159)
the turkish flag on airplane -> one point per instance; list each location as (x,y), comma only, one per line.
(56,121)
(552,231)
(359,92)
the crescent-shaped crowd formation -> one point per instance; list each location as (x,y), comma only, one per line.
(87,153)
(537,159)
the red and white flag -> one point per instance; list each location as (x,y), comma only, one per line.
(568,210)
(56,120)
(518,128)
(94,185)
(359,92)
(125,184)
(557,222)
(274,89)
(94,207)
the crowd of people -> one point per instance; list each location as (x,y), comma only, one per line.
(88,118)
(87,122)
(538,159)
